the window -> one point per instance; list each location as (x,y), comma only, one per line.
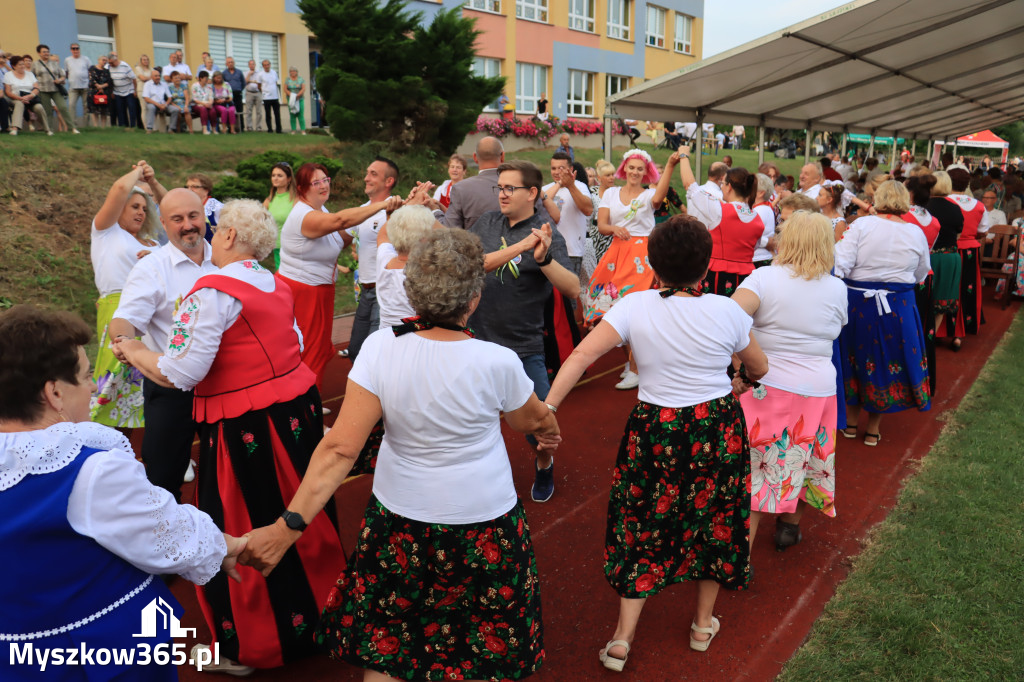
(243,46)
(167,38)
(684,34)
(532,10)
(615,84)
(95,35)
(618,19)
(531,82)
(485,5)
(580,101)
(581,15)
(489,68)
(655,26)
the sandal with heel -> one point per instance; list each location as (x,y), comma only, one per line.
(850,431)
(876,436)
(611,662)
(702,645)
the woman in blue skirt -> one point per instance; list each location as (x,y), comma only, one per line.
(882,258)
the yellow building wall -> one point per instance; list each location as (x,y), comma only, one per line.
(19,32)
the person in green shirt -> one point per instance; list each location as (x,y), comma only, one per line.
(295,85)
(283,195)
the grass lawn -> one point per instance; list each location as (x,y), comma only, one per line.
(938,593)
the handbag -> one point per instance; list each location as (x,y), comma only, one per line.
(32,102)
(60,86)
(99,99)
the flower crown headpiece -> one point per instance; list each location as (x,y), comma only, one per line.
(638,152)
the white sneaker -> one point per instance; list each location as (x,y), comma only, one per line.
(325,410)
(206,131)
(631,380)
(624,372)
(190,473)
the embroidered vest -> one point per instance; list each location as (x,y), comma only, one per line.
(735,238)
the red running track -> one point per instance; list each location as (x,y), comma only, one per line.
(761,627)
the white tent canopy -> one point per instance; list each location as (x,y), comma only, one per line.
(893,68)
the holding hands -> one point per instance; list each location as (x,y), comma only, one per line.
(543,235)
(266,546)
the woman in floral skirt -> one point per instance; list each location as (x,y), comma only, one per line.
(442,583)
(799,309)
(679,505)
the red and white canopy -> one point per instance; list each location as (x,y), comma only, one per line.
(985,139)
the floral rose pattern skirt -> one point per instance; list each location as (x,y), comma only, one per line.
(792,450)
(722,283)
(679,507)
(438,602)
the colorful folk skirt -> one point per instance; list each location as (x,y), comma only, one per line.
(431,601)
(923,298)
(366,462)
(679,507)
(250,467)
(722,283)
(118,398)
(623,269)
(970,315)
(946,267)
(792,450)
(314,313)
(885,368)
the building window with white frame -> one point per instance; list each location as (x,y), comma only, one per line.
(532,10)
(655,26)
(618,19)
(531,82)
(488,68)
(243,46)
(615,84)
(580,101)
(684,34)
(493,6)
(167,38)
(95,35)
(581,15)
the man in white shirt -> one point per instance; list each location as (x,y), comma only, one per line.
(157,99)
(719,142)
(77,67)
(568,202)
(995,215)
(810,180)
(177,66)
(381,178)
(716,176)
(123,77)
(267,78)
(253,99)
(737,134)
(149,299)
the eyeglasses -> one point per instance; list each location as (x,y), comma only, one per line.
(194,187)
(323,181)
(75,47)
(507,190)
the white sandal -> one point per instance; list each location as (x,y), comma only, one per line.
(702,645)
(610,662)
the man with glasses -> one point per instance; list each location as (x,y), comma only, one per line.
(77,68)
(525,258)
(996,216)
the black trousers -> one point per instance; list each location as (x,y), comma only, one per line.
(272,106)
(236,99)
(167,440)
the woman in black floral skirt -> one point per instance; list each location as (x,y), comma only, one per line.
(679,506)
(443,582)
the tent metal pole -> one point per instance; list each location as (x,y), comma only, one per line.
(760,144)
(892,161)
(807,144)
(609,124)
(871,145)
(843,152)
(698,148)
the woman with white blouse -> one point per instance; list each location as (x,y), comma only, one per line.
(882,258)
(404,229)
(124,230)
(679,504)
(86,534)
(457,167)
(22,90)
(766,211)
(311,241)
(235,342)
(444,546)
(799,309)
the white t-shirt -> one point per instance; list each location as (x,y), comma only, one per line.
(768,218)
(573,224)
(19,85)
(113,252)
(78,72)
(443,459)
(682,345)
(176,68)
(637,217)
(366,232)
(878,250)
(268,84)
(795,326)
(441,189)
(305,260)
(391,296)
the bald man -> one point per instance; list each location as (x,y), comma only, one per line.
(474,196)
(154,287)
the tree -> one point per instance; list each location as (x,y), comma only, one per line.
(387,77)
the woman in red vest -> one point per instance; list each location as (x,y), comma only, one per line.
(235,340)
(735,228)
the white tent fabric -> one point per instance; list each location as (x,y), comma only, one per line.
(907,68)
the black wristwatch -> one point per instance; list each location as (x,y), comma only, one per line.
(547,259)
(293,520)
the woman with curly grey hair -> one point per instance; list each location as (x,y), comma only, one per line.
(235,341)
(444,545)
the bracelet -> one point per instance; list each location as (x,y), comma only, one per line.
(551,407)
(547,260)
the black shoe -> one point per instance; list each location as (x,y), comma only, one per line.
(543,483)
(786,535)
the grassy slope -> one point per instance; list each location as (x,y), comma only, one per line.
(938,593)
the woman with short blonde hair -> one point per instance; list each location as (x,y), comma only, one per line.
(799,309)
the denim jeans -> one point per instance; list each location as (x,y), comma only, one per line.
(367,321)
(537,370)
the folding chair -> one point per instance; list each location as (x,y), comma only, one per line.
(1002,263)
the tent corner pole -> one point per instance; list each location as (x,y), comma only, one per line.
(698,147)
(892,161)
(609,125)
(760,143)
(807,143)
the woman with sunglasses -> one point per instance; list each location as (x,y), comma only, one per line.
(311,240)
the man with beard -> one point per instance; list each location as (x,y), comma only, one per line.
(149,301)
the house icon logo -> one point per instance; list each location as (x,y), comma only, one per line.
(158,615)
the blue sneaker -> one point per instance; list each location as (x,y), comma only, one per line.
(543,483)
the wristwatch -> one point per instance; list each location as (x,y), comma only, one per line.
(293,520)
(547,259)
